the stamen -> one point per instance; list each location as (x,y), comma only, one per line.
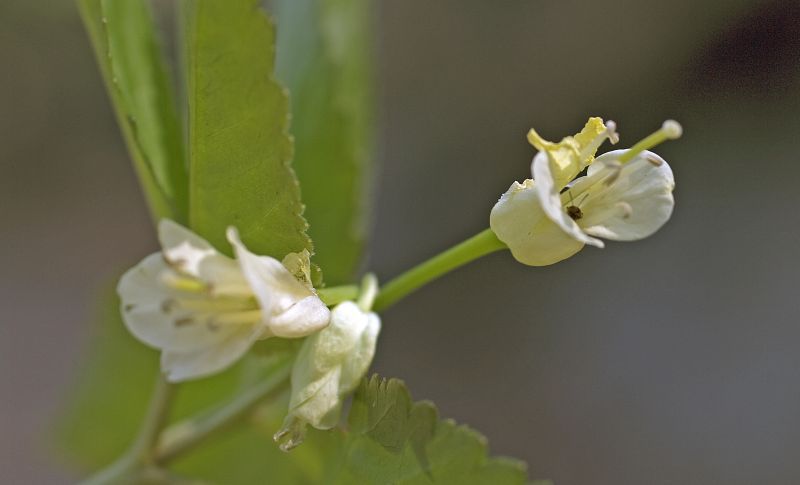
(670,130)
(611,132)
(217,305)
(183,283)
(233,318)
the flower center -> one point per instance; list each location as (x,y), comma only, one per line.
(194,301)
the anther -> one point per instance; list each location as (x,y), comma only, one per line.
(168,305)
(182,322)
(672,129)
(611,132)
(653,160)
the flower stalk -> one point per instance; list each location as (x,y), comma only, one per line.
(184,436)
(473,248)
(140,455)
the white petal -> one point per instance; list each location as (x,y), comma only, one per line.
(183,248)
(635,205)
(549,195)
(331,363)
(519,221)
(181,366)
(302,318)
(276,289)
(317,400)
(360,358)
(148,315)
(141,300)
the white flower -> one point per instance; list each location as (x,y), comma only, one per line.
(625,195)
(204,310)
(330,365)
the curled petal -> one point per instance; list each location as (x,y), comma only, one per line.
(519,221)
(279,293)
(549,195)
(302,318)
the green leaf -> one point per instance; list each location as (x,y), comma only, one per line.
(325,59)
(130,58)
(107,403)
(394,440)
(239,147)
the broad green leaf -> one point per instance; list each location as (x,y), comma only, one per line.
(394,440)
(324,58)
(239,147)
(124,38)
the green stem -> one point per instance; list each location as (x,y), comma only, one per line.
(139,455)
(337,294)
(473,248)
(183,436)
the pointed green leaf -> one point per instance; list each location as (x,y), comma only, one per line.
(324,58)
(239,147)
(130,58)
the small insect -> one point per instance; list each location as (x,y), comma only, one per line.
(574,212)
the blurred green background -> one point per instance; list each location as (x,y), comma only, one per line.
(672,360)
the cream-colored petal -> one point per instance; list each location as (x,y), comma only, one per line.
(519,221)
(549,195)
(182,366)
(151,312)
(636,204)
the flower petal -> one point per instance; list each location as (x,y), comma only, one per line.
(331,363)
(636,204)
(182,248)
(549,195)
(181,366)
(302,318)
(150,314)
(519,221)
(357,364)
(289,307)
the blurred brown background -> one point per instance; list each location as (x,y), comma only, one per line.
(672,360)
